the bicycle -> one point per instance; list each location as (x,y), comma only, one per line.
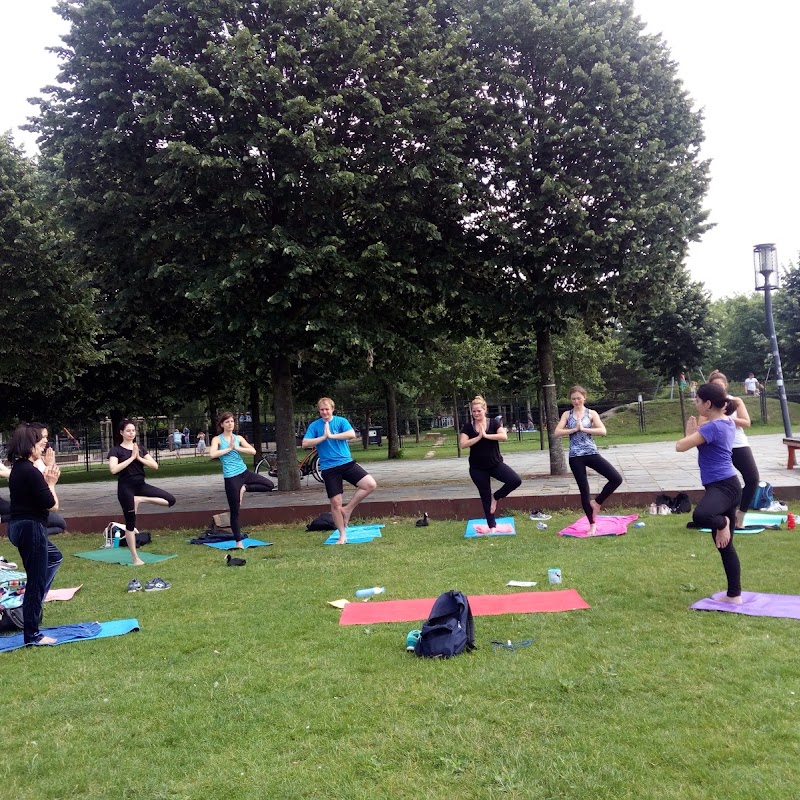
(308,466)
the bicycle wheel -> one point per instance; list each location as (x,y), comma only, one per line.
(314,467)
(266,466)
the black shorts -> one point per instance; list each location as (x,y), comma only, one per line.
(335,477)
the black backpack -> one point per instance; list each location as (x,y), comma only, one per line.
(324,522)
(11,619)
(449,630)
(681,504)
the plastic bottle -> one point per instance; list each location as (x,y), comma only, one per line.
(790,521)
(638,524)
(363,594)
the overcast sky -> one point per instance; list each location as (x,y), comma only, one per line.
(740,64)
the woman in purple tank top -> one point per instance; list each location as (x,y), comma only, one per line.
(717,508)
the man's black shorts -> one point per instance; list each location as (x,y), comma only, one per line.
(335,477)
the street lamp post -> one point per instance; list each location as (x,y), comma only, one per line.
(765,265)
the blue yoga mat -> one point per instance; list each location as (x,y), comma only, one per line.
(739,531)
(232,545)
(471,533)
(357,534)
(757,518)
(64,634)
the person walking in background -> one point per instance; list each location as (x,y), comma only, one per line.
(177,441)
(127,460)
(751,385)
(33,495)
(741,455)
(483,436)
(582,424)
(712,434)
(330,435)
(228,447)
(201,443)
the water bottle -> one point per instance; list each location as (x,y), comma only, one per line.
(638,524)
(790,521)
(116,538)
(363,594)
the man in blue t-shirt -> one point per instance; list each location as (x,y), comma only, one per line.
(330,435)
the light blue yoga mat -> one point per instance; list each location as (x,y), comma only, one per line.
(232,545)
(739,531)
(357,534)
(64,634)
(120,555)
(472,533)
(756,518)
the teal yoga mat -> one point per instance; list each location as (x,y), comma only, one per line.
(357,534)
(248,542)
(748,529)
(756,518)
(64,634)
(120,555)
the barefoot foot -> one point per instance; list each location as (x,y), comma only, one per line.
(596,507)
(592,529)
(737,601)
(45,640)
(493,506)
(138,563)
(341,540)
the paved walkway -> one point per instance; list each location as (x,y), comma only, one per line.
(439,486)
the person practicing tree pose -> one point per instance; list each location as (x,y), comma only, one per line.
(330,435)
(742,455)
(33,494)
(228,447)
(717,508)
(582,424)
(128,460)
(483,436)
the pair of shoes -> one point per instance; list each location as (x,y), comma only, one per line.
(135,585)
(653,508)
(536,514)
(776,505)
(663,510)
(412,639)
(156,585)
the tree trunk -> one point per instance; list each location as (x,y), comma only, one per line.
(288,473)
(455,423)
(365,429)
(255,413)
(391,420)
(544,353)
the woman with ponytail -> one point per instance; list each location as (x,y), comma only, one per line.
(717,508)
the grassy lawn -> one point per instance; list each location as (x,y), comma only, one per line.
(241,684)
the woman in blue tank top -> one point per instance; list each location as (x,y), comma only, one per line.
(717,508)
(582,424)
(228,447)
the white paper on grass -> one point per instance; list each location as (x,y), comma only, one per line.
(521,583)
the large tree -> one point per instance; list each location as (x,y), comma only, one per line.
(46,315)
(590,148)
(286,168)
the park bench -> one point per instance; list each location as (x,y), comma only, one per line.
(793,444)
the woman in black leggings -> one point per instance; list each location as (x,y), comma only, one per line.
(128,460)
(741,453)
(717,508)
(581,424)
(482,437)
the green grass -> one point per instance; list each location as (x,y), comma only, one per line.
(241,684)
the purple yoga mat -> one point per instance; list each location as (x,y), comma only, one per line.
(755,604)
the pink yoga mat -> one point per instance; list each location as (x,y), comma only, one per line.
(62,594)
(606,526)
(485,605)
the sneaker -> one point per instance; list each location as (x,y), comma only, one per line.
(653,508)
(135,585)
(156,585)
(412,639)
(776,505)
(539,515)
(663,510)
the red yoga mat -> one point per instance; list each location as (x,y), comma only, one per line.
(485,605)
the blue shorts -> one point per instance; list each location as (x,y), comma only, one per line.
(335,477)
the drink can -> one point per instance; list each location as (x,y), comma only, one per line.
(554,575)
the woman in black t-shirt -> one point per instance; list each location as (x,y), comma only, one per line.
(482,437)
(128,460)
(33,495)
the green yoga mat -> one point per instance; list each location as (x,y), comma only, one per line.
(120,555)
